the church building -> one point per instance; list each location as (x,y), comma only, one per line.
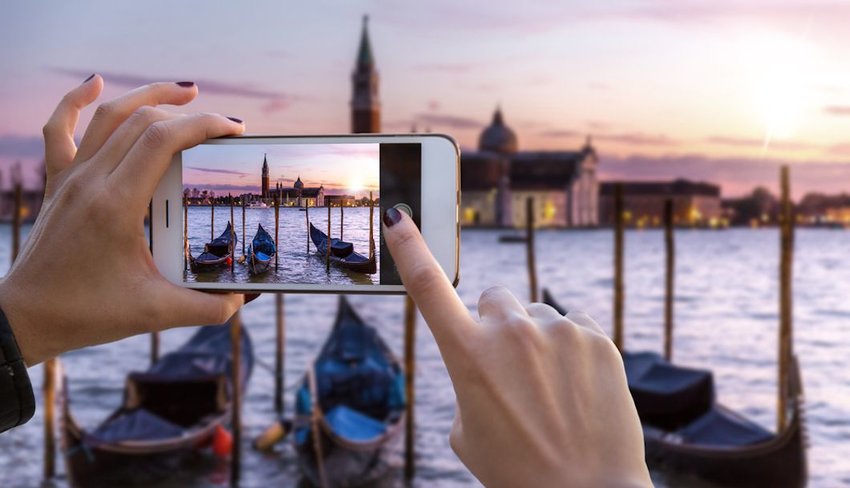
(498,178)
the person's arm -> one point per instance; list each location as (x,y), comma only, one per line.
(85,275)
(542,398)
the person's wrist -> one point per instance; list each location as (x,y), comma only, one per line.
(18,322)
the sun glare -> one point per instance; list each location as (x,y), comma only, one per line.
(782,69)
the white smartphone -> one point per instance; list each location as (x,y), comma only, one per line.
(303,214)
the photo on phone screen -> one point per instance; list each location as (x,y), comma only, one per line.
(295,213)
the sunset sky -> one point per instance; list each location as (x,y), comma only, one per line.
(351,169)
(717,90)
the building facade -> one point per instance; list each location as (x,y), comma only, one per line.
(299,195)
(694,203)
(498,179)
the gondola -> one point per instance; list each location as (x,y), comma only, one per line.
(217,253)
(665,395)
(261,251)
(727,449)
(342,253)
(350,407)
(513,238)
(686,431)
(169,411)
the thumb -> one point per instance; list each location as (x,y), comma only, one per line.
(425,280)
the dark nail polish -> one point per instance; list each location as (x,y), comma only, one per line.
(391,217)
(89,78)
(238,121)
(186,84)
(250,297)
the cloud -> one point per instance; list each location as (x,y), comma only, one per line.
(221,171)
(245,90)
(274,105)
(556,133)
(24,147)
(450,121)
(637,139)
(840,110)
(757,143)
(598,85)
(840,149)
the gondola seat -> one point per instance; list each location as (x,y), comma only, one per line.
(139,424)
(669,396)
(721,427)
(351,424)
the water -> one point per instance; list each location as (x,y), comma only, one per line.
(299,262)
(726,319)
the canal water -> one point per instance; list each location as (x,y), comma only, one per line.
(299,262)
(726,320)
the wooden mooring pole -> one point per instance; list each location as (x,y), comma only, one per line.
(280,356)
(328,245)
(236,398)
(307,220)
(410,391)
(371,226)
(232,236)
(670,267)
(243,227)
(185,234)
(341,218)
(16,218)
(276,230)
(618,266)
(529,248)
(212,220)
(786,310)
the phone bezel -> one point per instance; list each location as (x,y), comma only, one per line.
(440,223)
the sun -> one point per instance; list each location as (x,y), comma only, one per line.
(782,71)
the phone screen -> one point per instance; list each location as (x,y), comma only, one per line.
(295,213)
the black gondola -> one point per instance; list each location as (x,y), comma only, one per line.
(342,253)
(261,251)
(665,395)
(168,413)
(216,253)
(687,431)
(350,408)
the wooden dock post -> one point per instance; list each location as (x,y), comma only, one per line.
(49,392)
(232,236)
(307,220)
(786,310)
(154,347)
(276,229)
(670,268)
(618,266)
(280,356)
(410,391)
(16,216)
(243,227)
(371,226)
(212,220)
(529,248)
(236,398)
(185,234)
(341,218)
(328,245)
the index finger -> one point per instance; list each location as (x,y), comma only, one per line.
(425,281)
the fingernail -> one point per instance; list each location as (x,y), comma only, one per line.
(250,297)
(391,217)
(186,84)
(89,78)
(238,121)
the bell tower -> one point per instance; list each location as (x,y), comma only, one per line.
(264,188)
(365,107)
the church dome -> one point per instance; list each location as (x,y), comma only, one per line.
(298,183)
(498,137)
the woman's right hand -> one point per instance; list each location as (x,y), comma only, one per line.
(542,398)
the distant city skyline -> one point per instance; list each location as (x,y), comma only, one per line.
(721,91)
(351,169)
